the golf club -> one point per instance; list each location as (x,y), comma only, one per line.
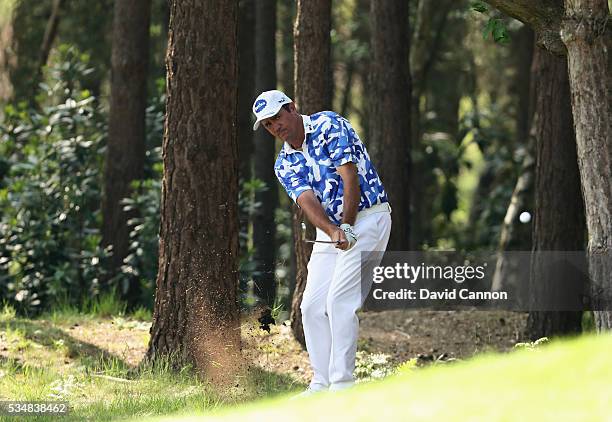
(315,241)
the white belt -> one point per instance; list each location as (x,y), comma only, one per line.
(384,207)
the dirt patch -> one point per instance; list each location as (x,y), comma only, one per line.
(458,334)
(125,339)
(403,335)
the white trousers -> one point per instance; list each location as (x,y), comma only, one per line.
(334,293)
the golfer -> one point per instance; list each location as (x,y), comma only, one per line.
(326,170)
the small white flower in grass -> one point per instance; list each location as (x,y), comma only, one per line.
(379,358)
(62,388)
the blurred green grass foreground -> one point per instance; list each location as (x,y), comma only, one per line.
(568,380)
(91,361)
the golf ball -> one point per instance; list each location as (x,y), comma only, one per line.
(525,217)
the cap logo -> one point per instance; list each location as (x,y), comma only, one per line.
(260,105)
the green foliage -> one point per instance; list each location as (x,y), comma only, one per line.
(486,128)
(142,314)
(283,219)
(479,6)
(494,26)
(532,344)
(141,261)
(49,200)
(85,25)
(497,29)
(370,366)
(247,208)
(407,366)
(105,305)
(8,313)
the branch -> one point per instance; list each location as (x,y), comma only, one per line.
(50,32)
(543,16)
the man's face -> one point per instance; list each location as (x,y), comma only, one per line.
(285,124)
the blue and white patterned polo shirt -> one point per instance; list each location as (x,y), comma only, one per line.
(330,142)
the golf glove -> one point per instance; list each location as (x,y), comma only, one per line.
(350,235)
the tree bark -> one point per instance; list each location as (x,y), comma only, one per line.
(285,61)
(195,319)
(390,111)
(587,40)
(246,85)
(264,226)
(585,36)
(559,223)
(125,151)
(312,57)
(543,16)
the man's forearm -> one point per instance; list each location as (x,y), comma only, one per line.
(351,193)
(315,212)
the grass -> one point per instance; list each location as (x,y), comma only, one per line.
(81,358)
(562,381)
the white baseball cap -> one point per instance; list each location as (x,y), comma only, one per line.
(267,105)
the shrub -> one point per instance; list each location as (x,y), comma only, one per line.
(50,192)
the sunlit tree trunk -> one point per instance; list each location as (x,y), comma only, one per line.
(589,59)
(195,319)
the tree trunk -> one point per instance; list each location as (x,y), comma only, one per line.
(312,93)
(246,85)
(195,319)
(559,223)
(522,51)
(390,111)
(246,94)
(50,33)
(286,17)
(264,227)
(285,65)
(543,16)
(125,152)
(584,34)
